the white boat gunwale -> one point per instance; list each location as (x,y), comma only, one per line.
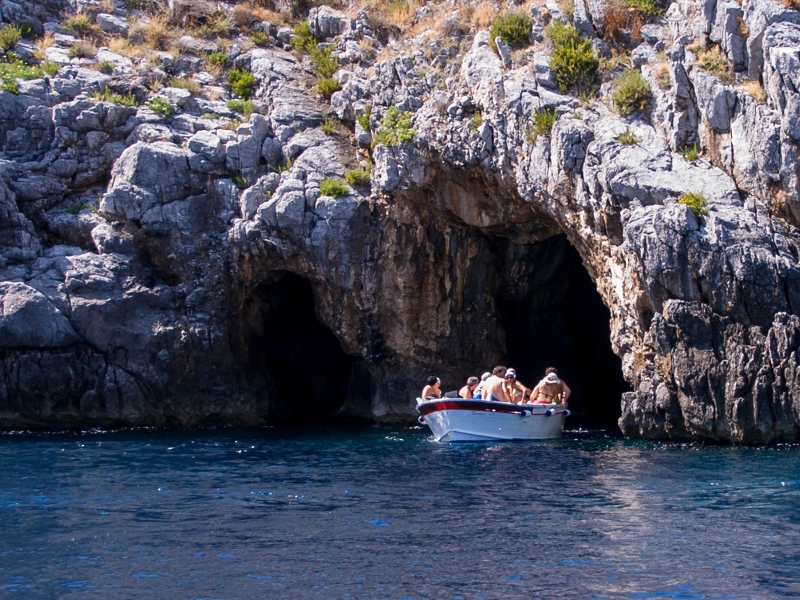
(462,420)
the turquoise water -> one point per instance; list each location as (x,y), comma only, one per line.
(381,513)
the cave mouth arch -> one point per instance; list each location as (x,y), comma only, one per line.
(557,318)
(309,375)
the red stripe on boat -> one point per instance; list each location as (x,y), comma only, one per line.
(431,407)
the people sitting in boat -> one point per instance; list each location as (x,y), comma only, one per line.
(495,389)
(431,390)
(550,389)
(514,389)
(478,393)
(467,391)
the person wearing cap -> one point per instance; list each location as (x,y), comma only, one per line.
(514,389)
(467,391)
(478,393)
(550,389)
(431,390)
(495,389)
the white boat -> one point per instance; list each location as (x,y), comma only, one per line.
(459,420)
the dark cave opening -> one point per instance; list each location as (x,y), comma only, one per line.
(556,318)
(309,372)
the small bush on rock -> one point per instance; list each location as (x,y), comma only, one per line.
(363,119)
(697,202)
(713,61)
(328,125)
(217,59)
(333,188)
(106,67)
(690,153)
(303,40)
(512,27)
(81,25)
(327,87)
(161,106)
(357,177)
(81,50)
(395,130)
(106,95)
(9,36)
(325,63)
(246,107)
(632,93)
(628,138)
(572,62)
(242,82)
(543,121)
(260,39)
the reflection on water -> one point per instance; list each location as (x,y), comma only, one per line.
(378,513)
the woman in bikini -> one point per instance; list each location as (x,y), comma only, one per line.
(550,389)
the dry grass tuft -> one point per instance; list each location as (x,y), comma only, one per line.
(155,33)
(714,61)
(484,15)
(795,4)
(242,16)
(661,74)
(42,44)
(125,48)
(756,90)
(266,14)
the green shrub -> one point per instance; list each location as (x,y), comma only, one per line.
(715,62)
(246,107)
(287,166)
(9,36)
(105,66)
(161,106)
(214,28)
(325,63)
(326,87)
(303,40)
(81,50)
(395,129)
(363,119)
(627,138)
(259,38)
(512,27)
(25,29)
(543,121)
(240,181)
(690,153)
(632,93)
(50,68)
(333,188)
(646,8)
(357,177)
(81,25)
(572,62)
(697,202)
(217,59)
(328,125)
(477,121)
(12,70)
(242,82)
(106,95)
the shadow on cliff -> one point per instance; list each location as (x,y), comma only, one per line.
(306,373)
(555,317)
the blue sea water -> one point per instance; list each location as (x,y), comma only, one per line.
(385,513)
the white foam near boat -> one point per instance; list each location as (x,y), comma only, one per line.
(459,420)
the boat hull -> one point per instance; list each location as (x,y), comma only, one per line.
(482,420)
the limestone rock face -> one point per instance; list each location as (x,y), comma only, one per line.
(180,267)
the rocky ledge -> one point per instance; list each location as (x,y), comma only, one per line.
(177,245)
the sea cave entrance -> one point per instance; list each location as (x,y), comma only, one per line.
(309,374)
(557,318)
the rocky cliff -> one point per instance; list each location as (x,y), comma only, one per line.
(177,245)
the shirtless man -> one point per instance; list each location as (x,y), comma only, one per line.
(550,389)
(514,389)
(467,391)
(495,389)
